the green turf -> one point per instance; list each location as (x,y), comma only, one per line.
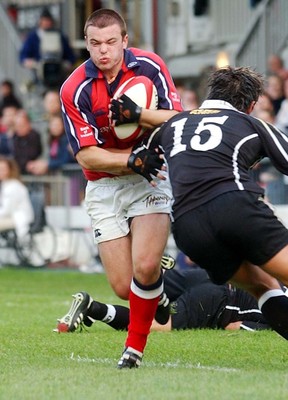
(36,363)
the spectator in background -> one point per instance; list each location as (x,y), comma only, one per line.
(16,211)
(59,150)
(275,65)
(189,99)
(264,172)
(51,106)
(281,120)
(7,129)
(47,52)
(27,144)
(51,103)
(275,90)
(8,96)
(264,103)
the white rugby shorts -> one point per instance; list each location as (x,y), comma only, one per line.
(110,202)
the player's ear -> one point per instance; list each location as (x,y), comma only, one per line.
(86,42)
(125,42)
(251,107)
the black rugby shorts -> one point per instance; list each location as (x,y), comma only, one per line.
(222,233)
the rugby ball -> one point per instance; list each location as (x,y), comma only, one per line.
(142,91)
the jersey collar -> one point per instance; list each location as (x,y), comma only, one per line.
(91,70)
(217,104)
(130,61)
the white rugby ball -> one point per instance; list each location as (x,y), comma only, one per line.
(142,91)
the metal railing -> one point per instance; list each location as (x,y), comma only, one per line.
(10,44)
(64,188)
(267,34)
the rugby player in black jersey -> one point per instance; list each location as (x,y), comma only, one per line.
(221,219)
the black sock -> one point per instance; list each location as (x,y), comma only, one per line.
(121,319)
(115,316)
(274,306)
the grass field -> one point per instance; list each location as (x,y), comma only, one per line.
(38,364)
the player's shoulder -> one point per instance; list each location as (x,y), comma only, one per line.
(142,54)
(73,81)
(259,124)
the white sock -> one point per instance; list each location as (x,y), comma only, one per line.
(111,312)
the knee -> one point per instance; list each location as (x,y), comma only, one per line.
(147,271)
(121,289)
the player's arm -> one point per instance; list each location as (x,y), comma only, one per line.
(152,118)
(233,326)
(113,161)
(121,162)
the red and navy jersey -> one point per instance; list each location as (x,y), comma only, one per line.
(211,150)
(85,97)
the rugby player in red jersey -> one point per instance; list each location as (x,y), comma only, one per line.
(130,218)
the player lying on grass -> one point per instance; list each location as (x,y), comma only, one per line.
(221,219)
(195,302)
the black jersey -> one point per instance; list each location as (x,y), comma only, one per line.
(207,305)
(210,151)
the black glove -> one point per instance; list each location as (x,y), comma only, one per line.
(124,110)
(145,162)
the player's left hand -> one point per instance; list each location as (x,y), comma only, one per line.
(147,163)
(124,111)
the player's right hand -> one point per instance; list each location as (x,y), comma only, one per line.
(147,163)
(124,111)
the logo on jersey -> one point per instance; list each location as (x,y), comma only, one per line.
(175,96)
(86,131)
(204,111)
(157,200)
(97,233)
(130,65)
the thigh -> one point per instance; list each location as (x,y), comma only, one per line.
(149,235)
(254,280)
(116,259)
(277,266)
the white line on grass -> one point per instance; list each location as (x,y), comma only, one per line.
(177,364)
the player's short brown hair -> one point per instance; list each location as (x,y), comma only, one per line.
(105,17)
(239,86)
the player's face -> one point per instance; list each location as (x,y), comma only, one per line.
(106,47)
